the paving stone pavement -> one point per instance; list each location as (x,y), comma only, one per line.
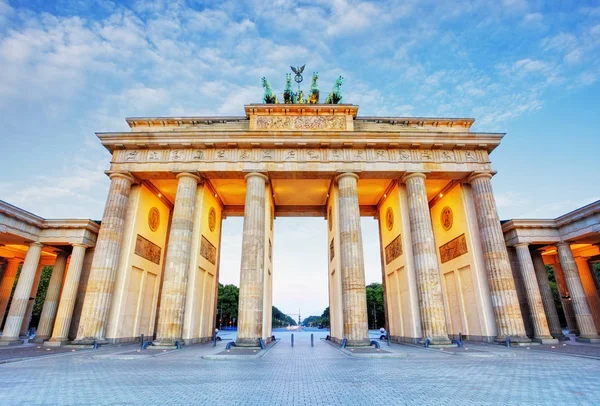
(303,375)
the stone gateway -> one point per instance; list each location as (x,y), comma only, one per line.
(152,267)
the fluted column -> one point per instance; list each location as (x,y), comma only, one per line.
(354,298)
(177,263)
(44,330)
(565,298)
(106,259)
(64,314)
(585,322)
(505,301)
(547,297)
(18,306)
(250,310)
(32,296)
(8,281)
(431,304)
(541,332)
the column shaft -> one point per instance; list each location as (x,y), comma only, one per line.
(431,304)
(585,322)
(250,310)
(177,263)
(8,281)
(32,296)
(20,299)
(505,301)
(106,258)
(541,332)
(547,297)
(60,332)
(51,301)
(354,298)
(565,299)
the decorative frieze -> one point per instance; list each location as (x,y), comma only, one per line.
(208,251)
(377,155)
(300,123)
(393,250)
(147,249)
(453,249)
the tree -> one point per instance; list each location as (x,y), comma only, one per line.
(280,319)
(375,301)
(312,321)
(556,295)
(40,297)
(227,304)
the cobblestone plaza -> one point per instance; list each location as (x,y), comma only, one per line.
(304,375)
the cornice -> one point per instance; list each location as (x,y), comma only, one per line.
(20,214)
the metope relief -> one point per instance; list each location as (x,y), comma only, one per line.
(393,250)
(208,251)
(147,249)
(302,123)
(233,154)
(453,249)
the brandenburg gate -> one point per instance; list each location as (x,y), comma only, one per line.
(427,180)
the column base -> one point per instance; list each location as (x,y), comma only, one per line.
(516,341)
(588,339)
(560,337)
(89,341)
(5,342)
(365,342)
(247,342)
(545,340)
(438,342)
(40,339)
(57,342)
(165,344)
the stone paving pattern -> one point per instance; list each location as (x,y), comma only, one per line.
(321,375)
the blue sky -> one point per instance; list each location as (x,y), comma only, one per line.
(527,68)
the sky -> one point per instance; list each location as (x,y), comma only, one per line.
(70,68)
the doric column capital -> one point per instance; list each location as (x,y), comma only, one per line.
(14,260)
(36,244)
(120,174)
(189,175)
(346,174)
(410,175)
(79,245)
(563,244)
(480,174)
(522,244)
(257,174)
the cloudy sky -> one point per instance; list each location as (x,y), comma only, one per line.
(69,68)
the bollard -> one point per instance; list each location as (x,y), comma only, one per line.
(312,340)
(375,343)
(178,345)
(292,339)
(142,341)
(261,343)
(344,342)
(426,344)
(388,339)
(229,345)
(95,345)
(507,342)
(215,340)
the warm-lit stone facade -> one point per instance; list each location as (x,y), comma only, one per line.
(155,265)
(570,245)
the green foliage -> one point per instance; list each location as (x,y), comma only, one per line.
(11,295)
(312,321)
(556,295)
(227,305)
(41,295)
(375,308)
(281,319)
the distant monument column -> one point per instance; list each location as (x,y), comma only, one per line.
(547,297)
(541,332)
(583,315)
(250,312)
(431,304)
(177,263)
(60,332)
(101,282)
(8,281)
(18,306)
(354,299)
(505,301)
(51,301)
